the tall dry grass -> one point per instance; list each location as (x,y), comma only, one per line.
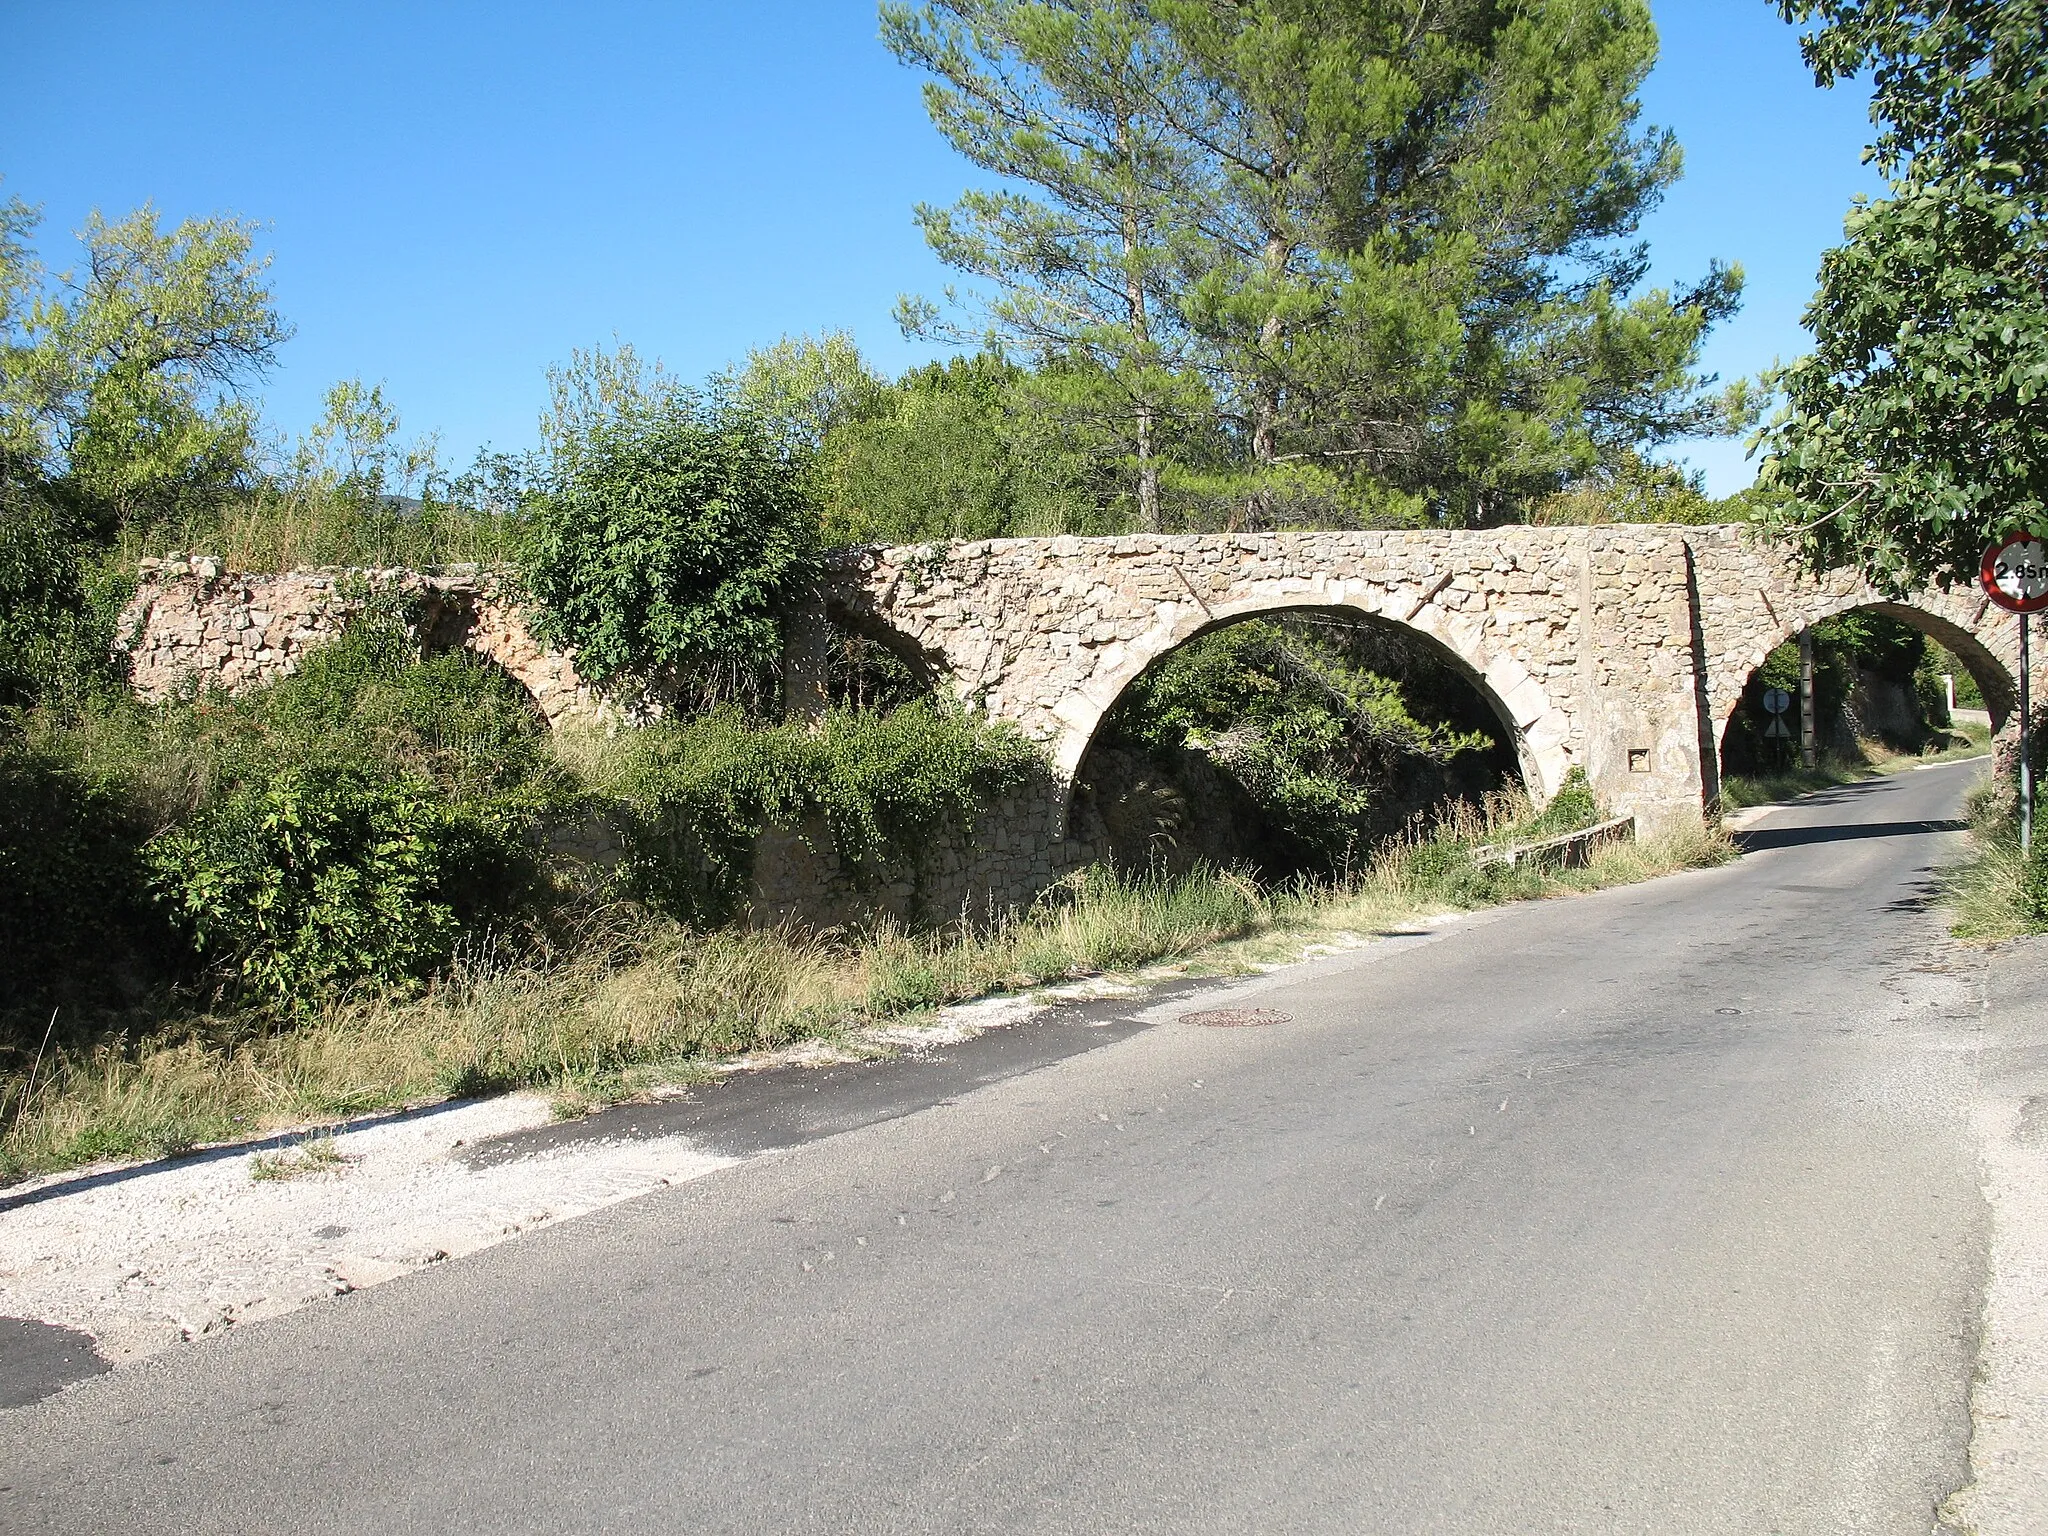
(279,528)
(1994,893)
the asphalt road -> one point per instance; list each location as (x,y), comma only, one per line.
(1653,1211)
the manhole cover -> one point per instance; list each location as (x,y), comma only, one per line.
(1727,1010)
(1235,1018)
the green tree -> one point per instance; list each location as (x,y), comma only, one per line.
(1915,432)
(1633,489)
(56,616)
(956,450)
(666,538)
(355,451)
(1315,740)
(803,387)
(1074,99)
(1416,266)
(122,379)
(1387,244)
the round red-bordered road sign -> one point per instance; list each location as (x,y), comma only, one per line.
(2015,573)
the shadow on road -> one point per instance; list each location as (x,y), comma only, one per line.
(1799,837)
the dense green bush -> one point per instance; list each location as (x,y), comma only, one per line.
(76,927)
(340,825)
(666,540)
(952,451)
(1570,809)
(1315,739)
(698,793)
(333,872)
(56,613)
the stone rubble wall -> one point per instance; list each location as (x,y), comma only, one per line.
(1753,598)
(1619,650)
(1558,628)
(1012,854)
(194,624)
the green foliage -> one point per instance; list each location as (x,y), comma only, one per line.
(803,388)
(1914,433)
(1633,489)
(1086,105)
(1876,642)
(57,609)
(1956,83)
(954,451)
(74,923)
(1436,860)
(696,794)
(121,379)
(329,873)
(664,540)
(1570,809)
(1940,660)
(1386,244)
(341,825)
(1313,739)
(1860,640)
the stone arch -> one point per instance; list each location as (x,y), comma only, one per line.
(494,628)
(928,668)
(1534,730)
(1994,675)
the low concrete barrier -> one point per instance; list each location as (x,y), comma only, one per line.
(1569,850)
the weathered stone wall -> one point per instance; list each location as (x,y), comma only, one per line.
(1012,854)
(194,623)
(1620,650)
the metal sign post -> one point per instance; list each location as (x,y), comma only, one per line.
(2015,576)
(1776,701)
(2026,744)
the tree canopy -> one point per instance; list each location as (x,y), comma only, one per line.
(1915,433)
(122,379)
(1334,252)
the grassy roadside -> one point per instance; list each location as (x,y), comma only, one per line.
(1871,760)
(642,1004)
(1995,893)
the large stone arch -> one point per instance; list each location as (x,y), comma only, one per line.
(1543,761)
(497,630)
(1048,633)
(1951,619)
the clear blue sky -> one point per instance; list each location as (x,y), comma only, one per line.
(457,194)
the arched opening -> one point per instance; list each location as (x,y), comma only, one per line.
(1877,684)
(1293,740)
(447,622)
(868,665)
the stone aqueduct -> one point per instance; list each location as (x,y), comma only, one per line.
(1620,649)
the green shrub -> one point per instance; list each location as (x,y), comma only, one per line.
(332,873)
(665,541)
(697,794)
(56,613)
(75,922)
(1318,742)
(1570,809)
(452,716)
(337,826)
